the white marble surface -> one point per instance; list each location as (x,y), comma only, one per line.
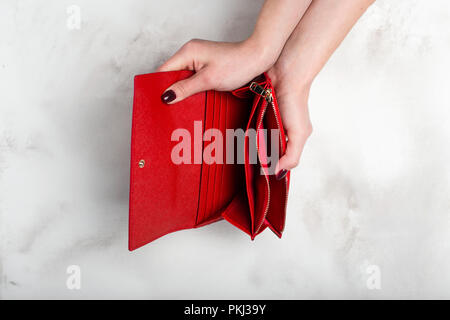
(372,188)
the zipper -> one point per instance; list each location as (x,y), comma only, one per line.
(268,96)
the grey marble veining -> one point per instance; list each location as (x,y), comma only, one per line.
(372,189)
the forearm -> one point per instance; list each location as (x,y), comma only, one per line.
(276,21)
(322,28)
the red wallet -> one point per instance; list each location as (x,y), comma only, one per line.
(168,195)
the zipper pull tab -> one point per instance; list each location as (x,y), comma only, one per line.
(258,89)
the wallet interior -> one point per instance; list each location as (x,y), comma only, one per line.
(246,194)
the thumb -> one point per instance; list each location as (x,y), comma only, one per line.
(291,158)
(186,88)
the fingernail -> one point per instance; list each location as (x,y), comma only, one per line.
(168,96)
(280,175)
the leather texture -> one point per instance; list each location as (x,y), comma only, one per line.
(167,197)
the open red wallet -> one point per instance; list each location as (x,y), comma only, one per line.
(168,195)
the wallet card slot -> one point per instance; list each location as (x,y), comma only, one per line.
(212,166)
(222,181)
(205,173)
(223,127)
(235,116)
(219,157)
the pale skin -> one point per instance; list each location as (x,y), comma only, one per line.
(303,35)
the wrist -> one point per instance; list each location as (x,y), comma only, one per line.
(297,78)
(299,64)
(263,55)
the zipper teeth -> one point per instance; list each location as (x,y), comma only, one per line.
(267,179)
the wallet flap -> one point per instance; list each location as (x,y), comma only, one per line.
(163,194)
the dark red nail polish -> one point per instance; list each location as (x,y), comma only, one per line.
(168,96)
(280,175)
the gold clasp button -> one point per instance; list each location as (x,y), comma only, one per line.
(141,163)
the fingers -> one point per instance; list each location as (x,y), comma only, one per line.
(178,61)
(188,57)
(182,59)
(294,149)
(187,87)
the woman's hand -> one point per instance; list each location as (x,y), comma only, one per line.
(292,96)
(219,66)
(228,66)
